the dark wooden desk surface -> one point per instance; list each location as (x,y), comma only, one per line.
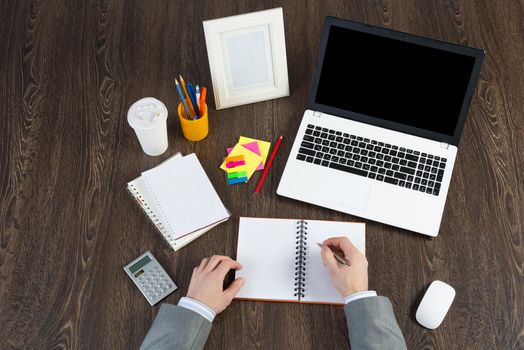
(70,70)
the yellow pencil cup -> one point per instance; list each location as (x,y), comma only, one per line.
(193,130)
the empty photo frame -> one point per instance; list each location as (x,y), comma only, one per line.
(247,57)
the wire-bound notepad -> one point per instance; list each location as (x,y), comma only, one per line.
(179,200)
(281,260)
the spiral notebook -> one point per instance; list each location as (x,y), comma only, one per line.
(281,260)
(179,200)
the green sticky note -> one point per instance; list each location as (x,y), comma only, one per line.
(237,174)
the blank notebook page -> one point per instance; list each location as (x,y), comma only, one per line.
(184,195)
(318,286)
(266,249)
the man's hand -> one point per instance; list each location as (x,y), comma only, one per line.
(207,281)
(347,279)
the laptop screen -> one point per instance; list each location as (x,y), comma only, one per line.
(394,80)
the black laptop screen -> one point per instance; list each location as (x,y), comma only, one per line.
(394,80)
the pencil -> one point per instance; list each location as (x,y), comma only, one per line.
(266,170)
(182,98)
(202,102)
(188,100)
(192,96)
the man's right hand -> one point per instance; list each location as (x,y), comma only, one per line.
(347,279)
(206,284)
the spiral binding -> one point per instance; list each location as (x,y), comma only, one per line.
(169,229)
(151,215)
(300,259)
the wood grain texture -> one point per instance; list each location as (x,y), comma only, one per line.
(71,69)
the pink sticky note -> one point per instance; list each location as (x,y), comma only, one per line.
(253,147)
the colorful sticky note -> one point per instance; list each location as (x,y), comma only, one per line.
(236,180)
(236,169)
(235,164)
(234,158)
(256,146)
(252,160)
(252,146)
(262,145)
(237,174)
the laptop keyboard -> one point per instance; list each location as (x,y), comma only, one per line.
(372,159)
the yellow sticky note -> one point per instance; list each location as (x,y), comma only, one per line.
(251,159)
(263,146)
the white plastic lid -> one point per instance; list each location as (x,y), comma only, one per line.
(146,113)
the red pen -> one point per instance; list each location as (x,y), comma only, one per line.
(261,182)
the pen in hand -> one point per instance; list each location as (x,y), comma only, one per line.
(338,257)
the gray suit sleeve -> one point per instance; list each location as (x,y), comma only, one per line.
(372,324)
(177,328)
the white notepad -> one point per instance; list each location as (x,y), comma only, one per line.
(275,253)
(179,199)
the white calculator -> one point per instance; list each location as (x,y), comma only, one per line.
(150,278)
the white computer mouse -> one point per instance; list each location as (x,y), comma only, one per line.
(435,304)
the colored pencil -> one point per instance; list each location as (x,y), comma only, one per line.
(181,94)
(192,96)
(273,154)
(202,101)
(188,100)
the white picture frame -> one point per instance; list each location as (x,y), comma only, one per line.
(247,57)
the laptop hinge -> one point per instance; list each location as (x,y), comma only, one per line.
(444,145)
(317,114)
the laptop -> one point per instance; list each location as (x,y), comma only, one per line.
(382,127)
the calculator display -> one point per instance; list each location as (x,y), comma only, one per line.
(141,263)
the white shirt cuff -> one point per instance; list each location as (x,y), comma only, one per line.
(198,307)
(359,295)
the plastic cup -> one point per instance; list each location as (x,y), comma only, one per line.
(148,117)
(193,130)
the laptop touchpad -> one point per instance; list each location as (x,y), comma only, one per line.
(351,193)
